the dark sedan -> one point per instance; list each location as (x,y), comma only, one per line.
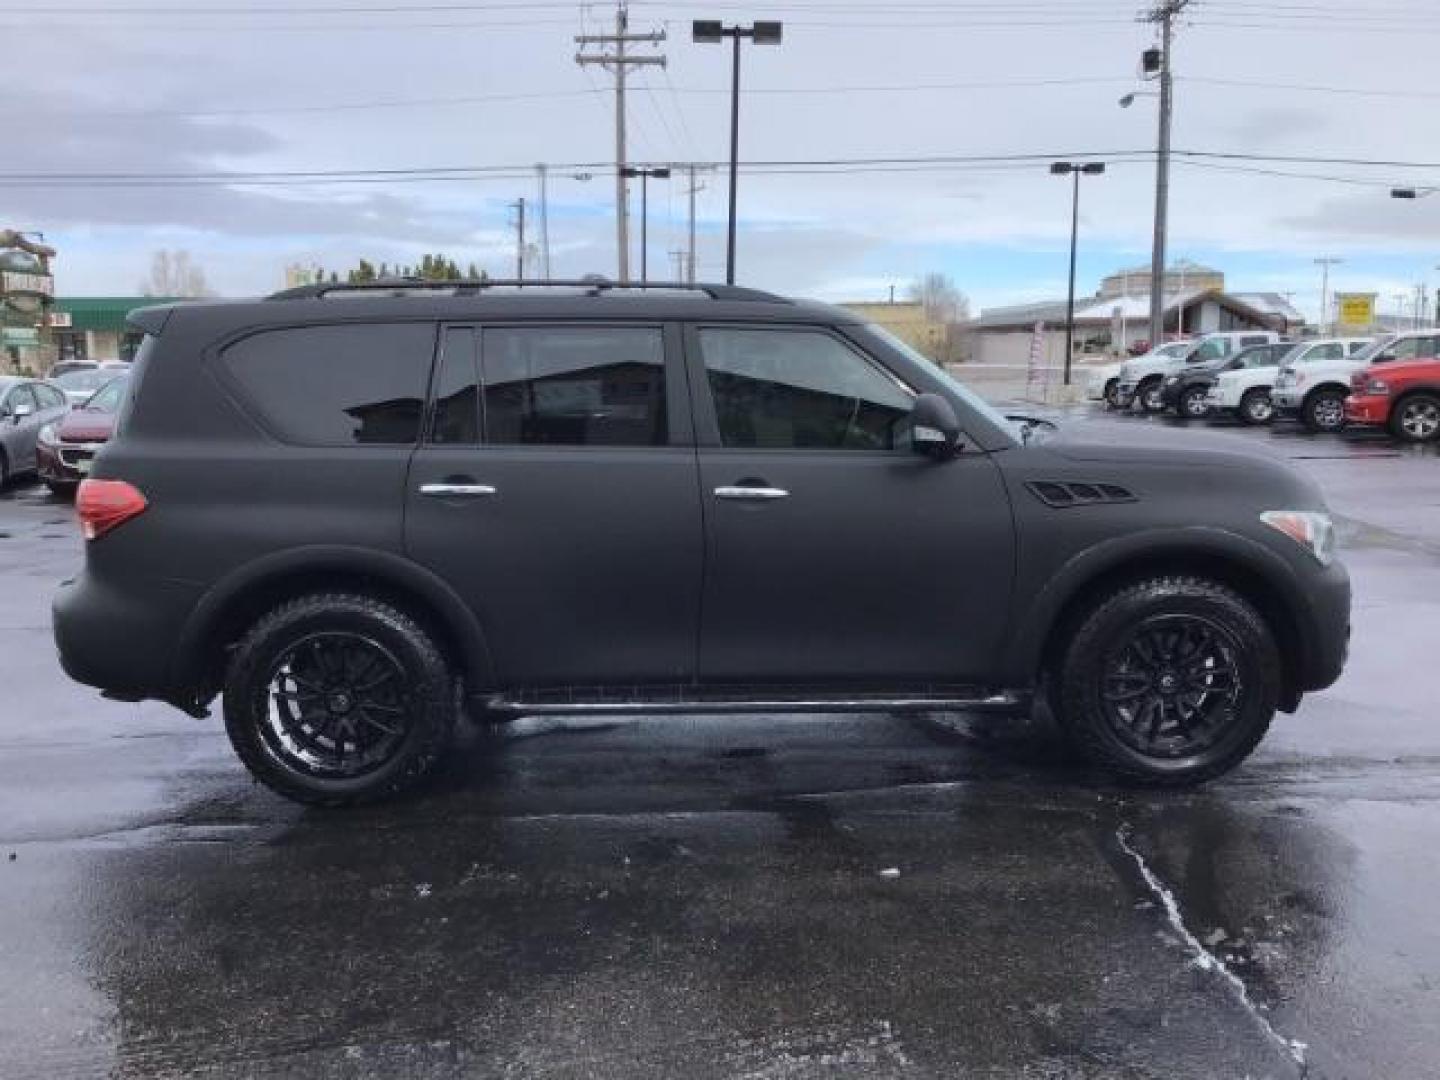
(67,446)
(1184,392)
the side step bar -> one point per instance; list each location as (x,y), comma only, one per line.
(670,700)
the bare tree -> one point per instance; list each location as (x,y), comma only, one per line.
(174,273)
(941,298)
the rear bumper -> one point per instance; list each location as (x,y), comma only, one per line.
(1367,409)
(122,642)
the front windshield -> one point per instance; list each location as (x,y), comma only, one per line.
(972,399)
(1375,347)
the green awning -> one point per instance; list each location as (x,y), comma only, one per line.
(104,313)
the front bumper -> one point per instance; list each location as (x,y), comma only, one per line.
(63,463)
(1367,409)
(1326,635)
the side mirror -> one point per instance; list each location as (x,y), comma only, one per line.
(935,427)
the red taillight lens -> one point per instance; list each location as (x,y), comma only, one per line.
(104,505)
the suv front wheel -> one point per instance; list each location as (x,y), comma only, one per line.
(335,699)
(1171,681)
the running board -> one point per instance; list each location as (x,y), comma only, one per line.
(609,701)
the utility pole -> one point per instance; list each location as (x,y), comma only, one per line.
(618,62)
(519,207)
(1075,170)
(1163,13)
(690,190)
(1325,262)
(680,259)
(544,223)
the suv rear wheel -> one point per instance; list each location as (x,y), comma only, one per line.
(1417,418)
(335,699)
(1324,410)
(1171,681)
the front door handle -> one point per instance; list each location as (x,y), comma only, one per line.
(450,491)
(740,491)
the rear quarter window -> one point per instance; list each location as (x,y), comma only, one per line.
(337,385)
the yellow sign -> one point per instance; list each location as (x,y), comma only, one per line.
(1356,309)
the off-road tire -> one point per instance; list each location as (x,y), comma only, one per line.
(1105,627)
(430,695)
(1250,410)
(1398,414)
(1320,405)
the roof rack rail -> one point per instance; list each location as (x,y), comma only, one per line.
(595,285)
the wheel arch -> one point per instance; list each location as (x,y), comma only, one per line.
(1255,573)
(237,600)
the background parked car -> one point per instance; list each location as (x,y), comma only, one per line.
(66,447)
(1141,380)
(1185,392)
(1401,394)
(1245,394)
(79,386)
(26,406)
(1315,393)
(1104,381)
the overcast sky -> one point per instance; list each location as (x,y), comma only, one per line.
(239,85)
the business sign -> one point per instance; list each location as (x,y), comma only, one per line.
(1355,309)
(20,283)
(20,337)
(60,320)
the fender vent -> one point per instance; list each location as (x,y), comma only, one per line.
(1062,493)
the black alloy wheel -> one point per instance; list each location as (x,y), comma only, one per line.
(338,698)
(1171,686)
(338,705)
(1169,681)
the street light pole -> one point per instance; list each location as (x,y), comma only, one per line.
(630,172)
(712,32)
(1073,169)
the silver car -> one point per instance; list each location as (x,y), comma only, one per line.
(26,405)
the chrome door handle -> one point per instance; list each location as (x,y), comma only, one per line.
(450,491)
(757,493)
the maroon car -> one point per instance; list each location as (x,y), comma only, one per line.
(65,448)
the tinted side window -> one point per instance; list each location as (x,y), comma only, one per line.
(574,386)
(1404,349)
(336,385)
(1254,340)
(800,389)
(456,416)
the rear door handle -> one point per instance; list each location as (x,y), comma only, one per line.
(451,491)
(761,494)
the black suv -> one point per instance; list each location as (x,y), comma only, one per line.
(363,512)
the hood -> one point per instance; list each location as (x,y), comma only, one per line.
(1133,443)
(85,425)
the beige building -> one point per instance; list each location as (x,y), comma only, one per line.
(1184,276)
(906,319)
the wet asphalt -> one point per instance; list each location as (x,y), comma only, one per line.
(741,897)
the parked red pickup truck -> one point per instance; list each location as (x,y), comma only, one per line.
(1403,395)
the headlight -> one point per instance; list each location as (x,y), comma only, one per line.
(1312,530)
(47,435)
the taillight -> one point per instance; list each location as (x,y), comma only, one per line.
(104,505)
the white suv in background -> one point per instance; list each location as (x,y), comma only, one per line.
(1316,393)
(1104,381)
(1142,379)
(1246,393)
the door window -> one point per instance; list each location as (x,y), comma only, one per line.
(456,415)
(574,386)
(800,389)
(336,385)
